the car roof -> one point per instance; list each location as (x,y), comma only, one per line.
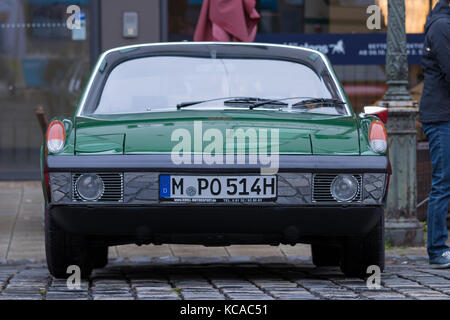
(236,47)
(312,58)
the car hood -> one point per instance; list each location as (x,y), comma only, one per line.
(298,133)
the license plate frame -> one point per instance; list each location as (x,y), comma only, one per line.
(207,186)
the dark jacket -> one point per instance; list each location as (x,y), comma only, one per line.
(435,103)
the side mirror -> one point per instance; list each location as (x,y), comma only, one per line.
(380,112)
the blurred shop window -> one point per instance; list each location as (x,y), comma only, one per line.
(364,83)
(42,62)
(12,43)
(281,16)
(183,16)
(277,16)
(350,16)
(304,16)
(416,13)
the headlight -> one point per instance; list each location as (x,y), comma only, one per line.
(90,187)
(344,187)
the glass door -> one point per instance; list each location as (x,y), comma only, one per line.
(42,62)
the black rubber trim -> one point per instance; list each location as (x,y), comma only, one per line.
(163,162)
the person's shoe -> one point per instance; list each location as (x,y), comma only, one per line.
(441,262)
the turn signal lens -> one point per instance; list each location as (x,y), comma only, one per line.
(56,136)
(378,137)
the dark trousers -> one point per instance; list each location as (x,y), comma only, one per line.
(439,138)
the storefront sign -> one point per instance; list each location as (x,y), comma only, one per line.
(354,49)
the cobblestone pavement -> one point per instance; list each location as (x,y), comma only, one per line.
(202,278)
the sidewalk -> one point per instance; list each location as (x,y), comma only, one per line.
(22,234)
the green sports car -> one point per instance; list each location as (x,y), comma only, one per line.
(215,144)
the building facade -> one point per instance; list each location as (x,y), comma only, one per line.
(44,62)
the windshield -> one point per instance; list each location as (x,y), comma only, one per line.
(161,83)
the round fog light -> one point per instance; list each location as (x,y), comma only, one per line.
(344,187)
(90,187)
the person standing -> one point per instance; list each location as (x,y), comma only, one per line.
(434,114)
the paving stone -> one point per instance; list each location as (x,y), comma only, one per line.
(159,297)
(66,296)
(251,297)
(166,280)
(186,285)
(399,283)
(316,283)
(20,297)
(415,258)
(66,289)
(436,297)
(236,292)
(394,296)
(434,281)
(445,290)
(109,297)
(188,295)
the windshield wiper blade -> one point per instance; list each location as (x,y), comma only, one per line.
(275,101)
(191,103)
(251,102)
(254,102)
(318,101)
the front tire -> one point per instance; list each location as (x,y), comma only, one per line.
(358,254)
(63,250)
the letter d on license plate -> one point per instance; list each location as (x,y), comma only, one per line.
(217,188)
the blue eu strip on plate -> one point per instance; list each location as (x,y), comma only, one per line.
(164,186)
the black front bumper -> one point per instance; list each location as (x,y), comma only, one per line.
(217,225)
(214,224)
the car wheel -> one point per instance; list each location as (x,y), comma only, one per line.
(358,254)
(99,256)
(325,255)
(63,250)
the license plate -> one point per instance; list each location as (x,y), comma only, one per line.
(217,188)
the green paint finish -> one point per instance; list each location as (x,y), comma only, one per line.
(299,133)
(364,126)
(92,141)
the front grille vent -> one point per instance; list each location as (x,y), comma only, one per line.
(113,183)
(322,185)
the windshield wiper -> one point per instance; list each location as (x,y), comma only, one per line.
(191,103)
(251,102)
(274,101)
(254,102)
(316,101)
